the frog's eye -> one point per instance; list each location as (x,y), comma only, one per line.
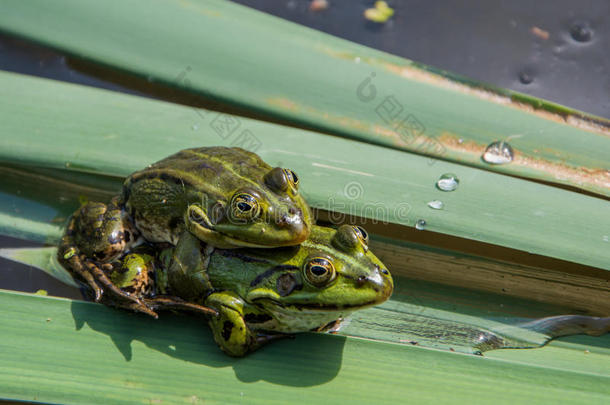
(351,239)
(244,207)
(276,180)
(279,179)
(362,235)
(292,178)
(319,271)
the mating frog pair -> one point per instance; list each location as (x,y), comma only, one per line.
(205,214)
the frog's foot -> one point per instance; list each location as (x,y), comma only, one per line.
(75,263)
(113,294)
(231,332)
(103,288)
(175,303)
(138,307)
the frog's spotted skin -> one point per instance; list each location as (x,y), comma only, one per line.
(226,197)
(159,197)
(261,295)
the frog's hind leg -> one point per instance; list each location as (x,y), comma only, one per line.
(231,331)
(69,256)
(96,235)
(96,278)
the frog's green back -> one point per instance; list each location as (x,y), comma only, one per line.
(212,171)
(157,199)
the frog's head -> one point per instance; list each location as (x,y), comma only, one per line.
(332,274)
(264,213)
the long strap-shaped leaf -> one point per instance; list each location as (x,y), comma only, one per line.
(59,125)
(405,320)
(259,62)
(71,352)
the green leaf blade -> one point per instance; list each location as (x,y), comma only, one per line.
(318,81)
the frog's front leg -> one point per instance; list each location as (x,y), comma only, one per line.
(96,235)
(186,266)
(229,327)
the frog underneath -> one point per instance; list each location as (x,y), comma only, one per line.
(259,295)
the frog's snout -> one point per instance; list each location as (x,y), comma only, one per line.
(288,220)
(380,281)
(292,221)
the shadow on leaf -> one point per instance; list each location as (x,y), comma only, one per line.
(308,360)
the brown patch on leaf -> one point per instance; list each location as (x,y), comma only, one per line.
(593,179)
(412,72)
(345,122)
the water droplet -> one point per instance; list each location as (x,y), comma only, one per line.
(581,32)
(525,78)
(357,59)
(436,205)
(420,225)
(195,127)
(447,182)
(605,238)
(460,141)
(498,153)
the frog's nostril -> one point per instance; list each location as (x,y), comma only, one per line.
(283,220)
(289,220)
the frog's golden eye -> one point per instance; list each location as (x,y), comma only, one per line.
(244,207)
(319,271)
(292,178)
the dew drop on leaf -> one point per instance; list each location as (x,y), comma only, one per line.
(447,182)
(436,204)
(498,153)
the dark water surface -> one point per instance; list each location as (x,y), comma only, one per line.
(558,50)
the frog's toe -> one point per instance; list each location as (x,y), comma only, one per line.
(140,307)
(264,338)
(78,265)
(175,303)
(109,289)
(98,291)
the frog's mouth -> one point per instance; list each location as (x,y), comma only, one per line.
(293,233)
(333,308)
(206,232)
(295,239)
(297,307)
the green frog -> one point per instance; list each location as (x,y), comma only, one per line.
(225,197)
(254,296)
